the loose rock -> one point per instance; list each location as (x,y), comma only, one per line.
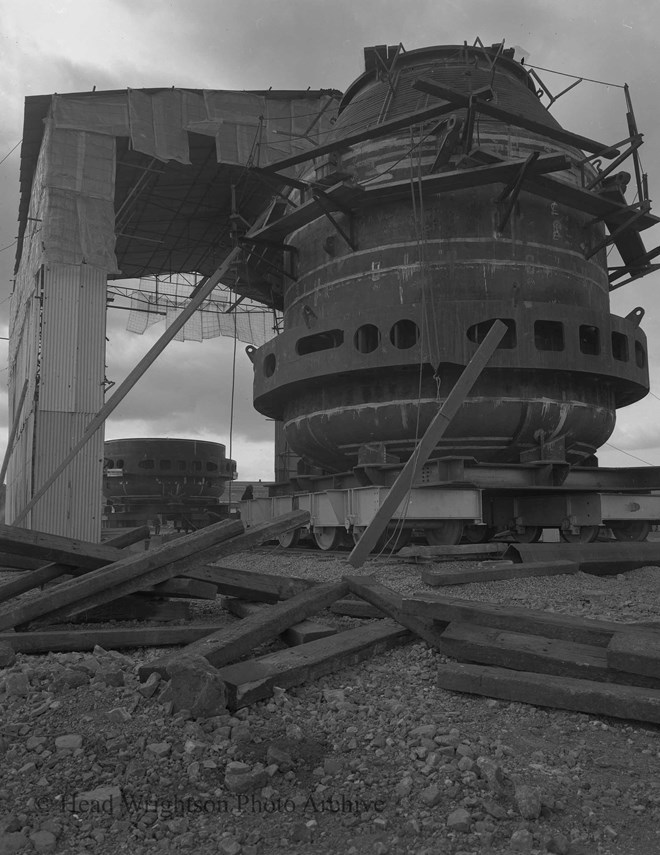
(44,841)
(196,686)
(459,820)
(70,742)
(242,778)
(528,801)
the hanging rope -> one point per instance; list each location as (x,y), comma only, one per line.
(231,407)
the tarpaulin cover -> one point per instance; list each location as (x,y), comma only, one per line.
(249,323)
(157,122)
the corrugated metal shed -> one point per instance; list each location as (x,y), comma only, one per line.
(125,184)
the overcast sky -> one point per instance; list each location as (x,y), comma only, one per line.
(74,45)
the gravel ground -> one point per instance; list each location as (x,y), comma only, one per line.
(373,759)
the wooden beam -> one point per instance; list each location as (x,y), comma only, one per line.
(248,682)
(117,638)
(625,236)
(437,578)
(500,172)
(572,196)
(545,690)
(183,588)
(52,547)
(327,208)
(299,633)
(374,132)
(120,538)
(178,557)
(635,651)
(389,602)
(448,552)
(523,652)
(514,618)
(306,631)
(428,442)
(34,579)
(133,607)
(344,195)
(584,200)
(138,571)
(10,561)
(50,572)
(634,275)
(339,196)
(458,100)
(643,261)
(200,293)
(356,608)
(248,585)
(509,195)
(239,639)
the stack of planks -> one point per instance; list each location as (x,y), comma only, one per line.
(536,657)
(319,650)
(511,653)
(89,581)
(546,658)
(271,607)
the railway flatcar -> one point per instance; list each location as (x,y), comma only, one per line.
(158,481)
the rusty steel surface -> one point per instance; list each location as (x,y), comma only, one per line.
(395,288)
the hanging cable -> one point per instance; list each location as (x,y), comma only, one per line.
(634,456)
(10,151)
(575,76)
(231,408)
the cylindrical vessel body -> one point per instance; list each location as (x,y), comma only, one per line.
(158,471)
(392,298)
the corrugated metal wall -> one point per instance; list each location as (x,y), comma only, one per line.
(70,394)
(72,506)
(57,334)
(67,320)
(73,326)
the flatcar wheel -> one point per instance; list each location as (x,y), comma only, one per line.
(529,534)
(586,534)
(289,539)
(445,533)
(477,533)
(329,537)
(632,530)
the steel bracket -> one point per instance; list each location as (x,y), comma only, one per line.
(322,201)
(512,190)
